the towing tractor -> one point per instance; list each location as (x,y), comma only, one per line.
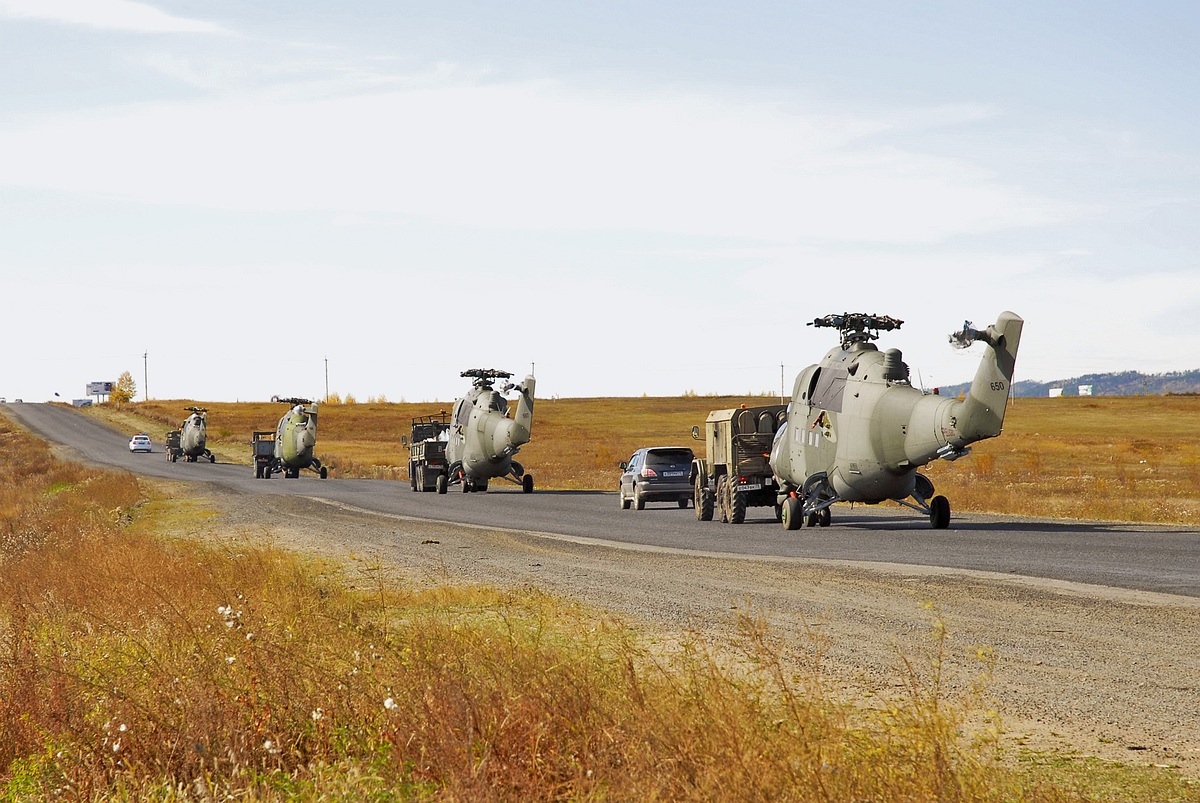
(427,467)
(736,472)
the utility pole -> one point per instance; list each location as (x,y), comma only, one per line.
(781,386)
(326,377)
(146,375)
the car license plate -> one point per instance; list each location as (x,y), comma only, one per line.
(750,486)
(674,473)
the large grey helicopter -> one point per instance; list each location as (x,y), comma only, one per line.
(483,438)
(192,443)
(857,430)
(294,438)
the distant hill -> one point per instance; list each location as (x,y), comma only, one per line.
(1123,383)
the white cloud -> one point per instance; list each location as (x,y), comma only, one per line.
(534,156)
(123,15)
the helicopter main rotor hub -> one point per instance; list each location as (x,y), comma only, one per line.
(858,327)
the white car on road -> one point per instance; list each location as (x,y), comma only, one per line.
(140,443)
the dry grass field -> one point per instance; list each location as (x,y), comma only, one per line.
(135,666)
(1112,458)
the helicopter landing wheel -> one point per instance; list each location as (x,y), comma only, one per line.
(324,472)
(527,484)
(824,517)
(939,512)
(792,514)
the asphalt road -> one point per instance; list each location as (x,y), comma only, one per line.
(1139,557)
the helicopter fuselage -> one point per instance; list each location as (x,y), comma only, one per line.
(483,437)
(860,430)
(193,435)
(295,437)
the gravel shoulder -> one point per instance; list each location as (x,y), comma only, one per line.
(1081,669)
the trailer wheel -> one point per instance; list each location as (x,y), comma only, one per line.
(440,483)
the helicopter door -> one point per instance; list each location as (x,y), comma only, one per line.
(819,433)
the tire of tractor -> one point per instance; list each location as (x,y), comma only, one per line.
(737,504)
(939,512)
(440,483)
(683,503)
(702,500)
(723,498)
(792,514)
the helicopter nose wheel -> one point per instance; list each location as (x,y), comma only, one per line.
(792,513)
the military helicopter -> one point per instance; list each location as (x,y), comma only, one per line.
(193,438)
(483,438)
(294,439)
(857,430)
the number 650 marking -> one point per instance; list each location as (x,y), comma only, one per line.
(998,386)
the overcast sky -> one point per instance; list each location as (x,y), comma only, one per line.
(637,197)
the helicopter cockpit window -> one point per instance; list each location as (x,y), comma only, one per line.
(462,412)
(829,388)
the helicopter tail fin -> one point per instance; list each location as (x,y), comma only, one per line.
(507,435)
(982,412)
(523,417)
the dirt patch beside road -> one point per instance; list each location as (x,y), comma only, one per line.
(1100,671)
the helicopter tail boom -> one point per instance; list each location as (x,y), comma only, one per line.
(982,412)
(516,431)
